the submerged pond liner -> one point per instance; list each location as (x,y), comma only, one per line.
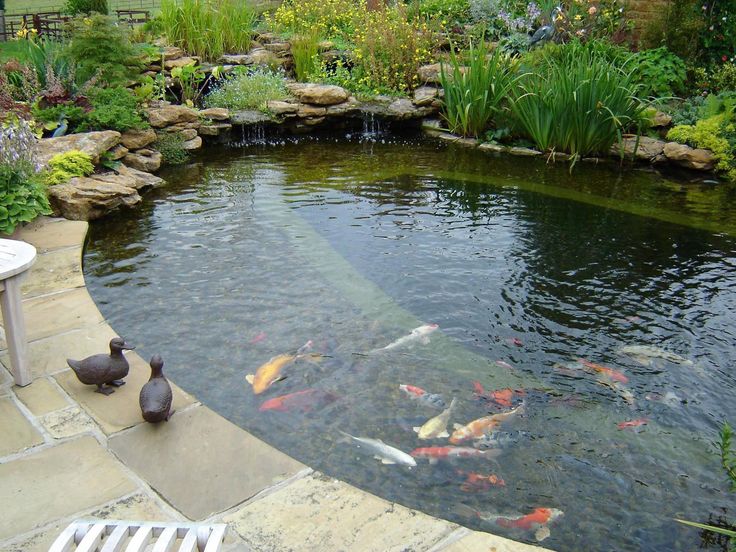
(257,250)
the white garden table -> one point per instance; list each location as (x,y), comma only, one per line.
(16,257)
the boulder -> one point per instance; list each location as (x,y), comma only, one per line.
(425,95)
(89,198)
(403,109)
(249,117)
(169,115)
(137,139)
(118,152)
(215,114)
(277,47)
(214,129)
(523,152)
(319,94)
(261,56)
(649,149)
(691,158)
(280,108)
(660,119)
(306,110)
(188,134)
(144,160)
(93,144)
(344,108)
(193,144)
(172,52)
(458,140)
(236,59)
(180,62)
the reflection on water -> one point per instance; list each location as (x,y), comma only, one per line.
(537,279)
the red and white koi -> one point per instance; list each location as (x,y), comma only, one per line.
(537,521)
(632,423)
(614,375)
(435,454)
(417,393)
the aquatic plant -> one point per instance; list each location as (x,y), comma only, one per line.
(208,28)
(475,91)
(304,48)
(248,90)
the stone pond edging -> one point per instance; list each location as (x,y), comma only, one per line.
(68,452)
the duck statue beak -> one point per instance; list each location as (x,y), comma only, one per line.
(127,347)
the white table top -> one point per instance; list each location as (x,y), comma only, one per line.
(15,257)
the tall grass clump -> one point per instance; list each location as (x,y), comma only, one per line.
(476,92)
(208,28)
(305,49)
(246,90)
(578,103)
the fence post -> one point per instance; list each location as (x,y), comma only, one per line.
(2,20)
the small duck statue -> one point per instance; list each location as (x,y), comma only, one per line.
(103,369)
(156,396)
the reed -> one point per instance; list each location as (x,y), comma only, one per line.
(208,28)
(304,48)
(475,92)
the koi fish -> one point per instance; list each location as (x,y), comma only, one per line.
(537,521)
(620,389)
(514,341)
(301,400)
(436,427)
(482,426)
(270,372)
(646,355)
(479,482)
(420,334)
(670,398)
(417,393)
(502,397)
(258,338)
(500,439)
(633,423)
(435,454)
(503,364)
(381,451)
(614,375)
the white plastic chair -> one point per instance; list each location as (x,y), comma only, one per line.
(137,536)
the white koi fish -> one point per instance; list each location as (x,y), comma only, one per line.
(420,334)
(436,427)
(646,355)
(381,451)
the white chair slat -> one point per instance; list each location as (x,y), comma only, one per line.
(189,543)
(214,543)
(141,539)
(114,543)
(65,542)
(93,538)
(166,540)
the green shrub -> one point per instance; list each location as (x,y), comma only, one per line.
(579,104)
(22,195)
(76,7)
(208,28)
(452,11)
(65,166)
(113,109)
(171,147)
(305,50)
(51,116)
(719,78)
(659,73)
(100,47)
(245,90)
(475,92)
(716,133)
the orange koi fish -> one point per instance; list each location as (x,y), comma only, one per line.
(482,426)
(479,482)
(301,400)
(614,375)
(502,397)
(538,521)
(434,454)
(270,372)
(633,423)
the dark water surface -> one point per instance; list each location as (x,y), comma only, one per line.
(253,251)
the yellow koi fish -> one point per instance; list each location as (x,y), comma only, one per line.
(270,372)
(437,426)
(482,426)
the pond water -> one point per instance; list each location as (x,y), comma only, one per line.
(251,252)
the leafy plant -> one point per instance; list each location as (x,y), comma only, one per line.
(86,7)
(65,166)
(659,73)
(190,81)
(244,90)
(475,92)
(171,146)
(101,47)
(22,196)
(452,11)
(114,108)
(716,133)
(208,28)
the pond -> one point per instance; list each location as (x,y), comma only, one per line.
(600,304)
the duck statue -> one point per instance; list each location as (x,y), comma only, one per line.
(103,369)
(156,396)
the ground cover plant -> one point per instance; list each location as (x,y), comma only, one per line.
(248,90)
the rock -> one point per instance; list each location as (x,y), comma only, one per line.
(215,114)
(172,52)
(249,117)
(277,47)
(179,127)
(214,129)
(430,74)
(180,62)
(649,149)
(171,114)
(279,108)
(143,161)
(660,119)
(118,152)
(458,140)
(403,109)
(523,152)
(261,56)
(136,139)
(265,38)
(89,198)
(344,108)
(306,110)
(424,95)
(319,94)
(493,148)
(236,59)
(193,144)
(93,144)
(187,133)
(325,46)
(314,121)
(691,158)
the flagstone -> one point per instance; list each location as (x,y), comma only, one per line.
(42,397)
(16,432)
(48,233)
(54,271)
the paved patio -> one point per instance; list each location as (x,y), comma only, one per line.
(68,452)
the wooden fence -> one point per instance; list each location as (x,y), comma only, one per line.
(51,24)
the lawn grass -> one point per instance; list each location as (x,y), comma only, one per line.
(35,6)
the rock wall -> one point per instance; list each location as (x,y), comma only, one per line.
(642,12)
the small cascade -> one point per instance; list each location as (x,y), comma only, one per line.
(254,134)
(373,127)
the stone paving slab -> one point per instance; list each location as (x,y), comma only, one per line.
(69,422)
(16,432)
(42,397)
(61,312)
(54,271)
(121,409)
(48,233)
(135,507)
(58,482)
(201,463)
(48,356)
(320,513)
(485,542)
